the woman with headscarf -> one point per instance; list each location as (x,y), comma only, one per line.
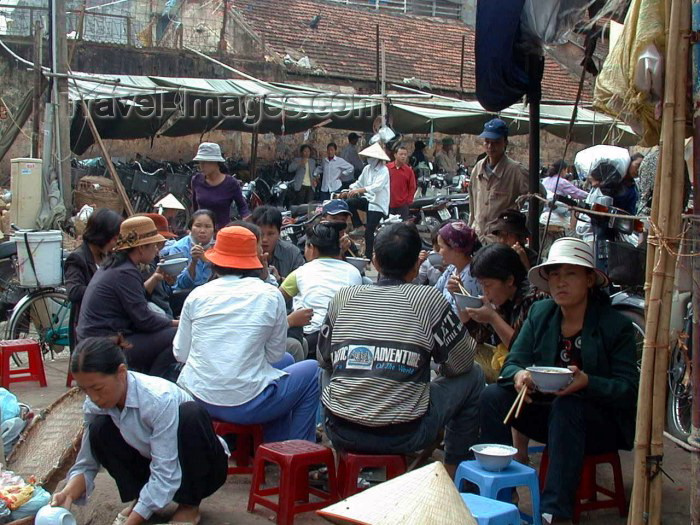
(370,193)
(458,243)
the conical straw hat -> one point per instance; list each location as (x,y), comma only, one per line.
(426,495)
(375,151)
(169,202)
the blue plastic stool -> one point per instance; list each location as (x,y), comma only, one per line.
(492,484)
(490,511)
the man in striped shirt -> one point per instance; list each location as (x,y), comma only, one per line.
(378,342)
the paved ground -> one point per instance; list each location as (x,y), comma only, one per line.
(228,505)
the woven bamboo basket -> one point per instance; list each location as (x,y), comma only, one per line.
(99,192)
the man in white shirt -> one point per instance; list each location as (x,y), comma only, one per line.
(333,169)
(353,157)
(371,194)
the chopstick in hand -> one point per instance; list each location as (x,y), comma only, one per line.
(520,403)
(461,288)
(517,405)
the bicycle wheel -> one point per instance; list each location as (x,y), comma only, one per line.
(43,316)
(680,393)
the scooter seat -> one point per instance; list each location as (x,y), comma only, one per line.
(423,201)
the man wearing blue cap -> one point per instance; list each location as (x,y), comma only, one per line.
(338,210)
(496,181)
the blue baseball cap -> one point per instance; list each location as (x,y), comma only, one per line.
(336,207)
(494,129)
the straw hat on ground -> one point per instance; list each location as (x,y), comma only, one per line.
(209,152)
(375,151)
(235,247)
(567,250)
(426,495)
(137,231)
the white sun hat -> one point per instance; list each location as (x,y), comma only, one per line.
(209,152)
(169,202)
(425,495)
(567,250)
(375,151)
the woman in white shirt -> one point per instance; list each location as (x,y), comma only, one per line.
(316,283)
(232,337)
(150,436)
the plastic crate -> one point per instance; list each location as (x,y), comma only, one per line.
(145,183)
(626,263)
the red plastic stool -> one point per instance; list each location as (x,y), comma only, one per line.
(350,465)
(294,458)
(248,439)
(33,372)
(588,489)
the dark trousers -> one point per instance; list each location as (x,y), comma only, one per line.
(570,426)
(373,220)
(203,462)
(402,211)
(304,196)
(151,353)
(454,406)
(312,342)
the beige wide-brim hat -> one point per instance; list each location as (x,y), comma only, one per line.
(425,495)
(567,250)
(209,152)
(137,231)
(375,151)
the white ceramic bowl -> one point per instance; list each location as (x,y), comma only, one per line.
(467,301)
(54,516)
(550,379)
(174,266)
(358,262)
(436,259)
(493,458)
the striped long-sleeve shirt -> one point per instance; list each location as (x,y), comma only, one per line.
(378,341)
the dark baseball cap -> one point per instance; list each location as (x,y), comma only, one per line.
(335,207)
(512,221)
(494,129)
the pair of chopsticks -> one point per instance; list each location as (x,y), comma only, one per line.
(517,405)
(461,288)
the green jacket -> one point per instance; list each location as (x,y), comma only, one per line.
(608,354)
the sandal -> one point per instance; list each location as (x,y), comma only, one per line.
(120,519)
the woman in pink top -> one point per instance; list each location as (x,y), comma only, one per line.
(561,186)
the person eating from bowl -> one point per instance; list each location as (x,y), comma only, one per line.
(511,229)
(580,331)
(282,256)
(337,210)
(458,243)
(148,434)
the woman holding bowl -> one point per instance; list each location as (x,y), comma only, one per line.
(578,330)
(458,243)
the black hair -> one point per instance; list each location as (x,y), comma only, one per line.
(396,248)
(223,271)
(400,146)
(199,213)
(248,226)
(103,355)
(332,144)
(325,236)
(116,258)
(556,168)
(419,145)
(267,216)
(303,147)
(102,226)
(498,261)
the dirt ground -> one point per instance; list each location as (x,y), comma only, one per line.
(228,505)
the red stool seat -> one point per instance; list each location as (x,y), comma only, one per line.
(248,439)
(588,489)
(294,458)
(35,368)
(351,465)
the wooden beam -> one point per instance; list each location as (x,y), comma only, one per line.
(108,161)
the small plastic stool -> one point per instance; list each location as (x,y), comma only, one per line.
(350,465)
(490,511)
(294,458)
(34,370)
(248,439)
(492,483)
(588,488)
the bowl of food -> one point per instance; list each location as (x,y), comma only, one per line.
(493,458)
(173,267)
(436,260)
(467,301)
(550,379)
(358,262)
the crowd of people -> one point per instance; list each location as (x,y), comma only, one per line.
(253,331)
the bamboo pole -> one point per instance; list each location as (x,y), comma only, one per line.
(656,264)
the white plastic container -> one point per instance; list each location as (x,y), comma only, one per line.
(45,247)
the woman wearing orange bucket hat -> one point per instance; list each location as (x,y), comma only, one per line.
(232,339)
